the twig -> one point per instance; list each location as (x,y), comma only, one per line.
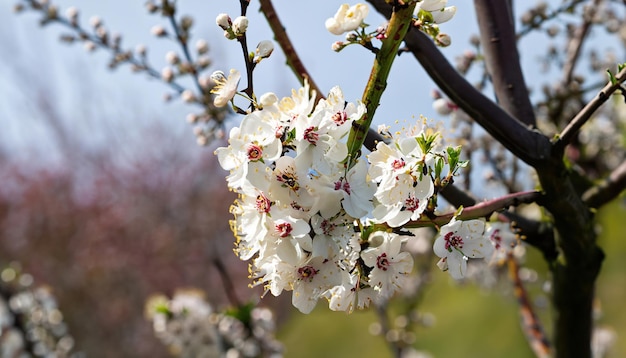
(583,116)
(396,31)
(531,326)
(293,60)
(480,210)
(608,189)
(229,289)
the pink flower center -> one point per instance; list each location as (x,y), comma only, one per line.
(311,136)
(343,185)
(254,152)
(307,273)
(453,241)
(284,229)
(340,118)
(263,204)
(411,203)
(327,227)
(496,238)
(382,262)
(398,164)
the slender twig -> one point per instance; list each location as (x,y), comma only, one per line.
(531,326)
(183,41)
(229,288)
(293,60)
(608,189)
(576,43)
(583,116)
(399,25)
(497,34)
(566,7)
(480,210)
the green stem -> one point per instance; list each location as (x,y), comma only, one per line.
(399,25)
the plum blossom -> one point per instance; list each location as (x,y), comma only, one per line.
(438,9)
(503,238)
(389,264)
(458,241)
(225,88)
(348,18)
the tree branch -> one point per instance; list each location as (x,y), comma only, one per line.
(608,189)
(533,330)
(530,146)
(583,116)
(293,60)
(497,34)
(480,210)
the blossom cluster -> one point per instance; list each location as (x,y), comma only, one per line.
(300,207)
(189,327)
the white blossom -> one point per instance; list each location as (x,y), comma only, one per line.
(348,18)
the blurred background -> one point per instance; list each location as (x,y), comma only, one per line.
(106,198)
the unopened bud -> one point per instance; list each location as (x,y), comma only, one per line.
(158,31)
(263,50)
(338,46)
(443,40)
(202,46)
(172,58)
(223,21)
(240,25)
(188,96)
(167,74)
(95,21)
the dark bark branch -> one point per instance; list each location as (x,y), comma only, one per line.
(530,146)
(497,34)
(608,189)
(583,116)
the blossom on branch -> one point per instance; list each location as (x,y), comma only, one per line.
(458,241)
(348,18)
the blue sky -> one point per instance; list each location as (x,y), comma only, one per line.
(77,79)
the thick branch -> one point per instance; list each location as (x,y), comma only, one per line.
(608,189)
(497,34)
(530,146)
(583,116)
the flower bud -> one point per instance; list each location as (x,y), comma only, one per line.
(223,21)
(443,40)
(172,58)
(95,21)
(158,31)
(188,96)
(268,99)
(338,46)
(263,50)
(202,46)
(167,74)
(240,25)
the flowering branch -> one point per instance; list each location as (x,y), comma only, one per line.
(531,325)
(530,146)
(583,116)
(497,33)
(396,31)
(608,189)
(293,60)
(480,210)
